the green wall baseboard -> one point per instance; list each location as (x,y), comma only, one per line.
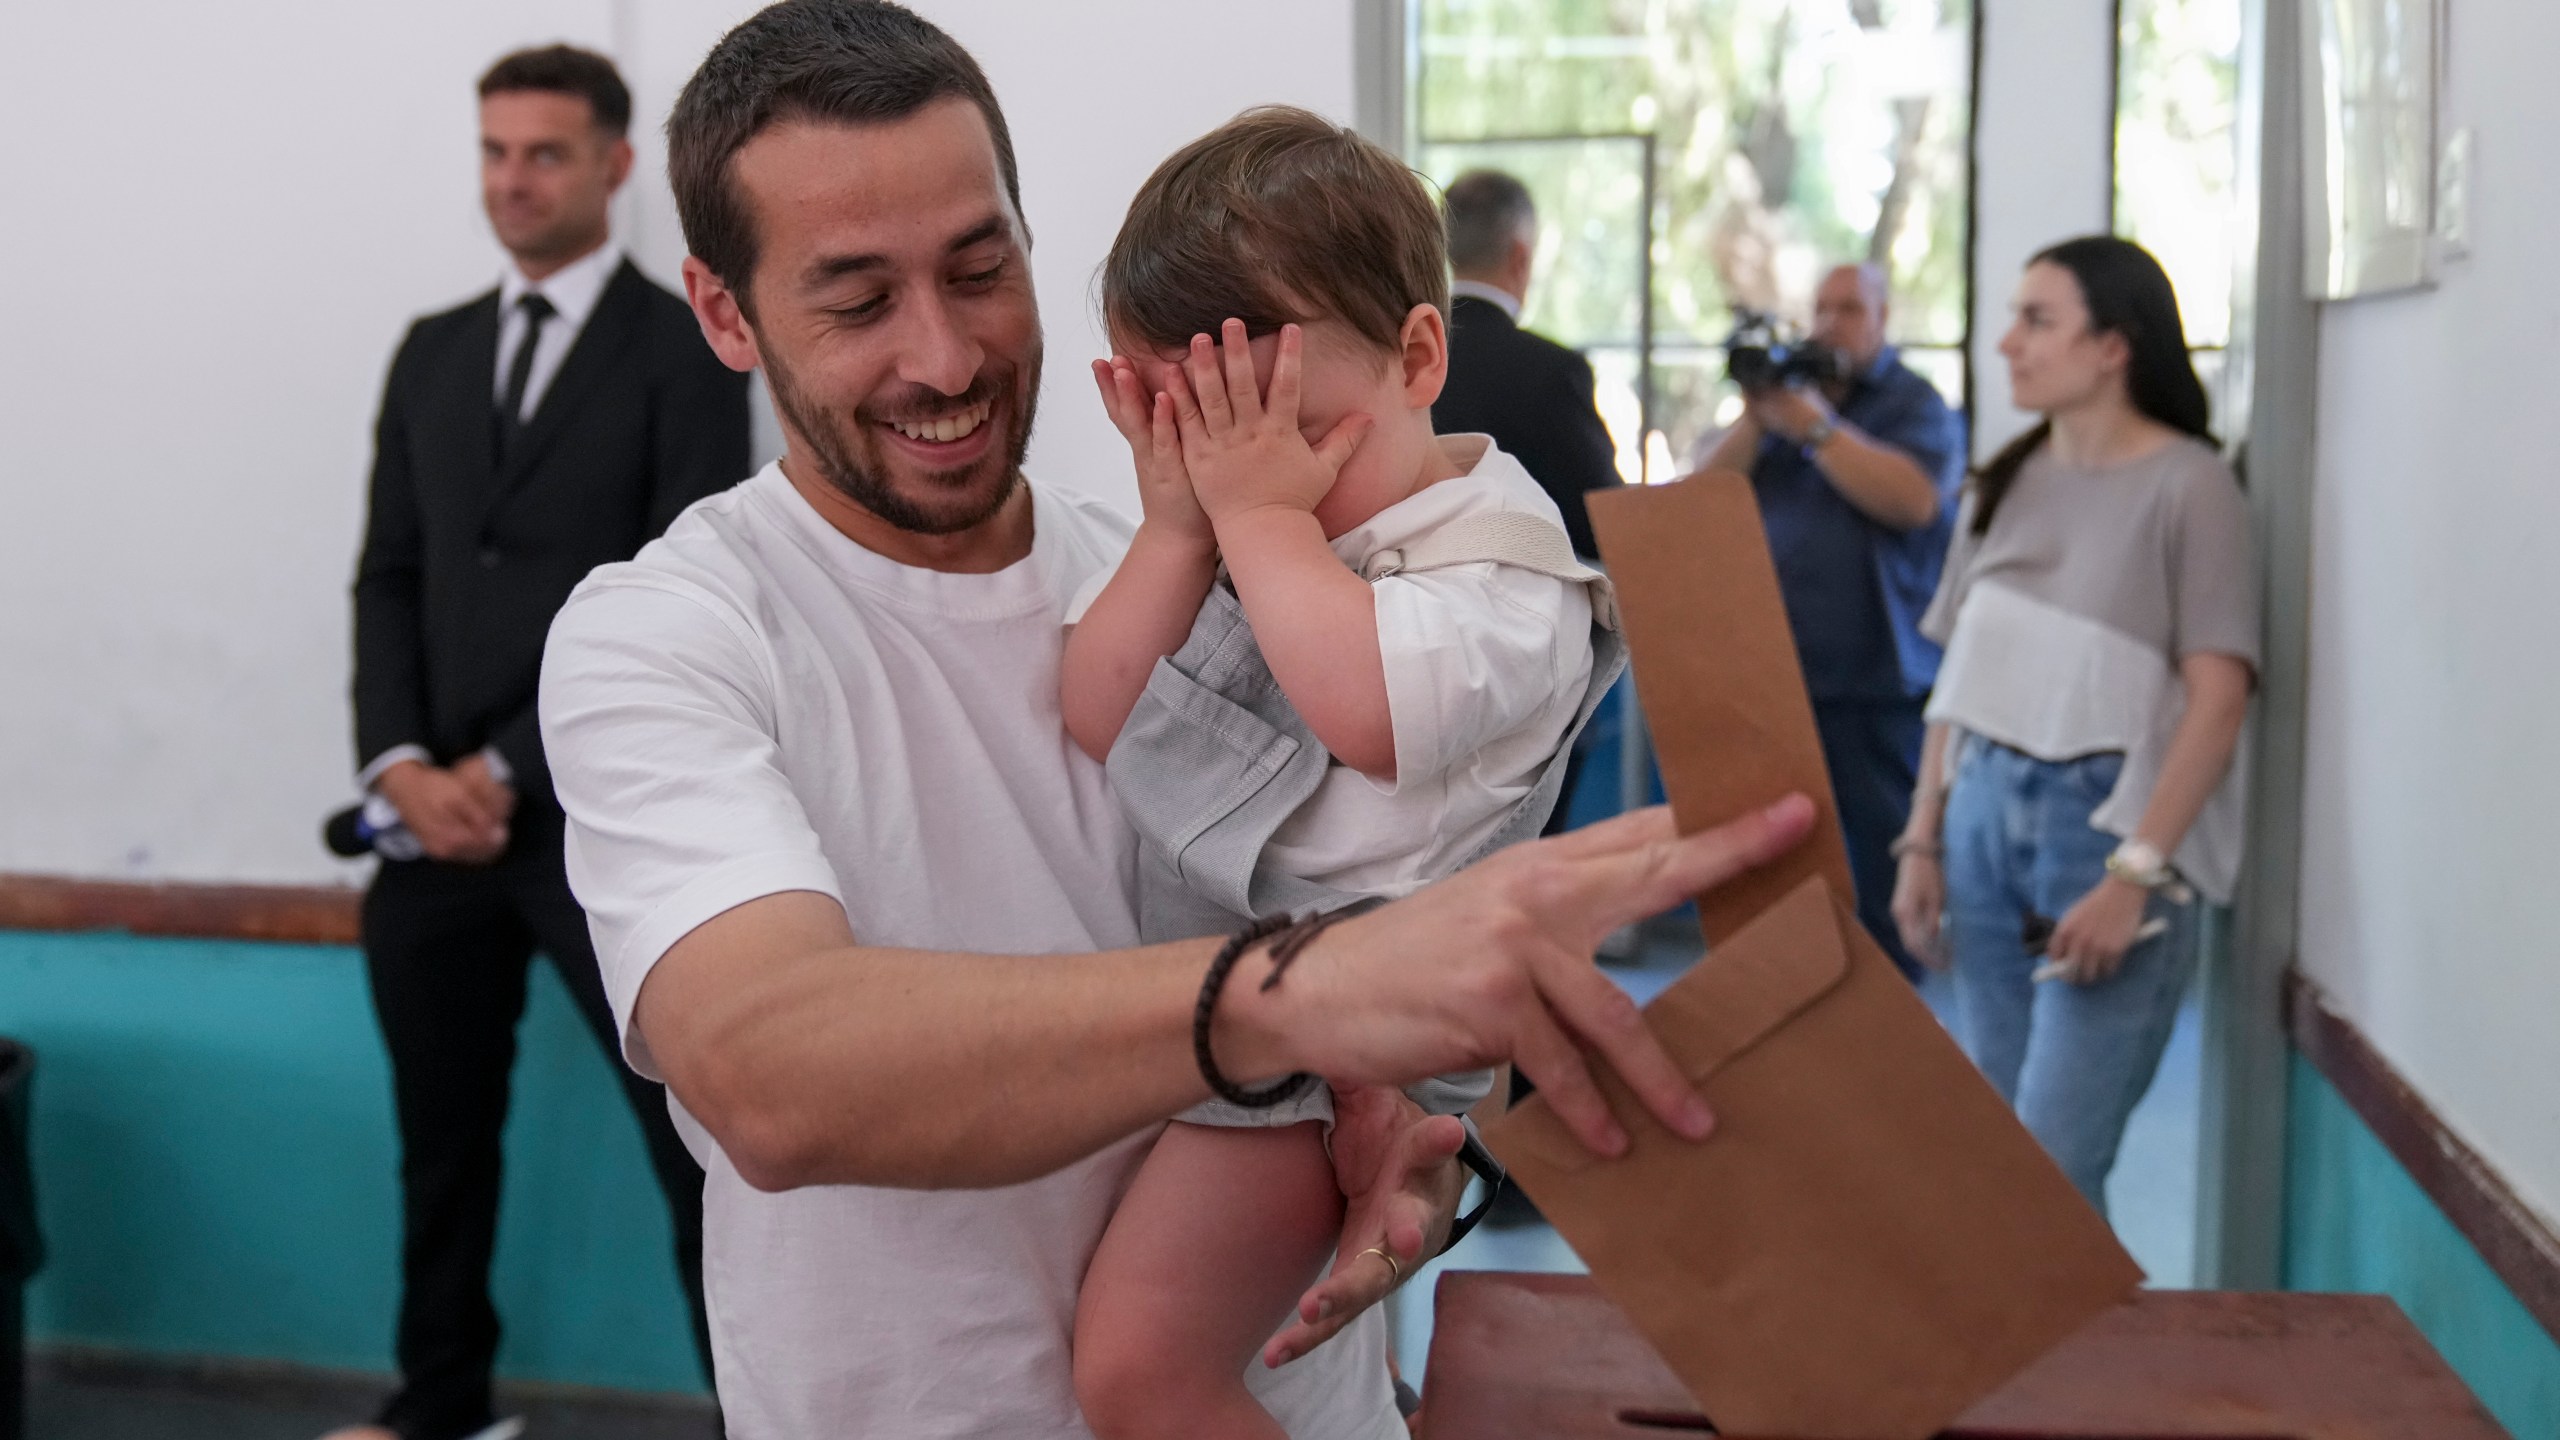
(2356,1221)
(217,1168)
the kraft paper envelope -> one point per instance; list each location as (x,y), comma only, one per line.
(1870,1242)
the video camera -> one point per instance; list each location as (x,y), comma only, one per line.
(1758,358)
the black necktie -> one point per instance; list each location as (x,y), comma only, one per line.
(520,373)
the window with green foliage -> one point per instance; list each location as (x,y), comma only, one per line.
(1690,159)
(2177,154)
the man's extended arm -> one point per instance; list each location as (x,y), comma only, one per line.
(815,1060)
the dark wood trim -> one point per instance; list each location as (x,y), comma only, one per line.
(292,914)
(2518,1244)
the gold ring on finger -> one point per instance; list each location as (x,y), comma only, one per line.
(1395,1267)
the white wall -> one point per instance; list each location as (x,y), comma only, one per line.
(210,258)
(2433,809)
(218,227)
(2044,141)
(212,261)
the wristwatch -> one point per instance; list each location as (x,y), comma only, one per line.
(1819,434)
(2139,863)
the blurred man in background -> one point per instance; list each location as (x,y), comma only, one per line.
(1532,395)
(1857,479)
(551,425)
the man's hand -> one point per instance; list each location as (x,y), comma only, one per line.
(1245,453)
(1165,500)
(451,818)
(1495,964)
(496,796)
(1788,410)
(1400,1181)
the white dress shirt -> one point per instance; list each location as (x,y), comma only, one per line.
(573,290)
(1494,295)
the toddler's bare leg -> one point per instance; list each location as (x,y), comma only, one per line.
(1221,1232)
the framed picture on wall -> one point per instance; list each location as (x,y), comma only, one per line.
(2369,103)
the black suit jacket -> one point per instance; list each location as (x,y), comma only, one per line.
(1533,396)
(466,561)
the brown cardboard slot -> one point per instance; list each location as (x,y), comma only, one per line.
(1870,1243)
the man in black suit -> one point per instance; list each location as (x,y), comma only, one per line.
(545,428)
(1535,398)
(1532,395)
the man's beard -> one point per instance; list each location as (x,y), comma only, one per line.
(848,456)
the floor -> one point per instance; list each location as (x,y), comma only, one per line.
(79,1397)
(71,1397)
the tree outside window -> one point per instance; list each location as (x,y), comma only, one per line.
(1784,136)
(2177,157)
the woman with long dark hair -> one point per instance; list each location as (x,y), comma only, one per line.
(2077,796)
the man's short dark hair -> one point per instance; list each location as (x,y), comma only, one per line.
(845,62)
(566,70)
(1487,210)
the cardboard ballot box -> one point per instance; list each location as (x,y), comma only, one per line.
(1870,1246)
(1547,1357)
(1870,1242)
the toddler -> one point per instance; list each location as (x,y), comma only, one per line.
(1341,658)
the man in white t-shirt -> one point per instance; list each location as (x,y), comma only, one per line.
(846,870)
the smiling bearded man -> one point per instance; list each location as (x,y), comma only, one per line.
(864,904)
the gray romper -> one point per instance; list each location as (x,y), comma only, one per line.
(1214,758)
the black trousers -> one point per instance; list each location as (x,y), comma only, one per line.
(1872,749)
(448,950)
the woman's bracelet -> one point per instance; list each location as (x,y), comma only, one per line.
(1916,845)
(1288,939)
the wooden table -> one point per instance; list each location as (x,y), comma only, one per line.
(1546,1357)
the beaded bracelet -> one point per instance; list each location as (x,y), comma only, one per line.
(1288,939)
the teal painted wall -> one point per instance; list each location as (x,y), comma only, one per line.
(216,1167)
(2355,1221)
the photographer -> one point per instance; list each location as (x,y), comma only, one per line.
(1856,461)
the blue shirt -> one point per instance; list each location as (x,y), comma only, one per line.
(1855,590)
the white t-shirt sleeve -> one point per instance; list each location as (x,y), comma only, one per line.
(1476,653)
(658,719)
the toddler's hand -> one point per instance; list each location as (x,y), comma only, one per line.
(1244,453)
(1164,486)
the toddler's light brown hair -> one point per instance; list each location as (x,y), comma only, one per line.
(1278,216)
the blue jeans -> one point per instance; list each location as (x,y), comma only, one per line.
(2073,1059)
